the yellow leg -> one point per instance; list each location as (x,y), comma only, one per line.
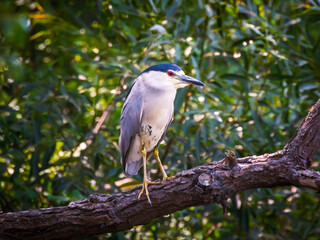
(156,156)
(146,181)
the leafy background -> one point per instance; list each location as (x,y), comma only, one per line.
(65,63)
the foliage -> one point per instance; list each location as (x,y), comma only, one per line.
(63,63)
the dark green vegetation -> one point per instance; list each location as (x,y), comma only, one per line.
(62,63)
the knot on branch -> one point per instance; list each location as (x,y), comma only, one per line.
(230,160)
(204,182)
(205,179)
(99,198)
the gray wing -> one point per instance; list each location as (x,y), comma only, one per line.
(130,125)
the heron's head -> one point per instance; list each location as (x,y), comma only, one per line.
(169,75)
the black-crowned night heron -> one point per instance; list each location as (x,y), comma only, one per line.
(146,114)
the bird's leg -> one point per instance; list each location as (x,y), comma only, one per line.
(146,181)
(156,156)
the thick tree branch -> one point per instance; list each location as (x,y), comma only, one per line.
(209,183)
(306,142)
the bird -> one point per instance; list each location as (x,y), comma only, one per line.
(146,115)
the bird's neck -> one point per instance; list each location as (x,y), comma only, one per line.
(157,87)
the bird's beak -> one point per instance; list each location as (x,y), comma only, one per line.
(190,80)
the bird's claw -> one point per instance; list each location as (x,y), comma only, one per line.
(168,178)
(145,184)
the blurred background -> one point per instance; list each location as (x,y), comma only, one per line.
(64,64)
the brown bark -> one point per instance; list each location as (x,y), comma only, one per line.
(209,183)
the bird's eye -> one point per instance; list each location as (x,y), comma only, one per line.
(170,73)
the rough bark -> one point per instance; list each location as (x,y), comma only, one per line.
(209,183)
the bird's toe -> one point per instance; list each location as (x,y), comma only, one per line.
(168,178)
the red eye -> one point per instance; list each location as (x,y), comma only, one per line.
(170,73)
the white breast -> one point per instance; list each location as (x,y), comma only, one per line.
(157,114)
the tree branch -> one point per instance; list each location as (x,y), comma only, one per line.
(306,142)
(209,183)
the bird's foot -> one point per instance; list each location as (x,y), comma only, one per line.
(145,184)
(168,178)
